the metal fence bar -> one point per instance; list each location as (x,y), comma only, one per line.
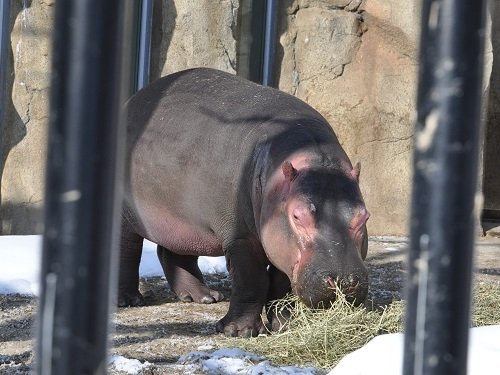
(445,181)
(81,204)
(146,21)
(269,45)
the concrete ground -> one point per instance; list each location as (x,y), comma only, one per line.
(166,328)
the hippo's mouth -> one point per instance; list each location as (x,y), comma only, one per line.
(320,289)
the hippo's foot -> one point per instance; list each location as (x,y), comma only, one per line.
(185,278)
(130,298)
(249,325)
(195,291)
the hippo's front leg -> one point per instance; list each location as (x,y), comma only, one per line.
(250,283)
(279,287)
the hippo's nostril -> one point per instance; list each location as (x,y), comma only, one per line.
(330,283)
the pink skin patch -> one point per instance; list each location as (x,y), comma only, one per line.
(356,170)
(286,254)
(351,171)
(357,226)
(300,216)
(301,219)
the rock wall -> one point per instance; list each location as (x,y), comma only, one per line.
(25,128)
(355,61)
(194,33)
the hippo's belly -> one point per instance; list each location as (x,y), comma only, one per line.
(178,235)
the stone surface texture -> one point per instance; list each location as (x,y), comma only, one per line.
(355,61)
(25,129)
(194,33)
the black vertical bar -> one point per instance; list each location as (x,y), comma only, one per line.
(256,50)
(140,44)
(270,35)
(81,201)
(146,19)
(445,181)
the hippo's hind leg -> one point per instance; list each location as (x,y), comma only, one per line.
(185,278)
(130,257)
(279,286)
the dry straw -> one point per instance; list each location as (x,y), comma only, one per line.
(321,337)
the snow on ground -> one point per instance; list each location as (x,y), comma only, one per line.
(19,273)
(384,354)
(219,362)
(130,366)
(20,265)
(237,361)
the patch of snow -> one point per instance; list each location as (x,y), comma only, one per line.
(20,265)
(384,354)
(391,248)
(237,361)
(21,260)
(150,265)
(130,366)
(212,265)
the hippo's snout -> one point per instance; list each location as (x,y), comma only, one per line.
(354,287)
(352,281)
(320,291)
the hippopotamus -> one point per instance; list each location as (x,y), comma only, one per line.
(218,165)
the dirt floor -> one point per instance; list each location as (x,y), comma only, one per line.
(165,329)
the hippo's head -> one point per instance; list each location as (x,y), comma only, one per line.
(315,231)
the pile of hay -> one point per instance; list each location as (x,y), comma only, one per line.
(322,337)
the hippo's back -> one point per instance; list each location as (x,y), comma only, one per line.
(209,100)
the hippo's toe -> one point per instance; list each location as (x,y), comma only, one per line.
(200,294)
(245,326)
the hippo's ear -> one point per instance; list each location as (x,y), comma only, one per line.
(288,170)
(356,170)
